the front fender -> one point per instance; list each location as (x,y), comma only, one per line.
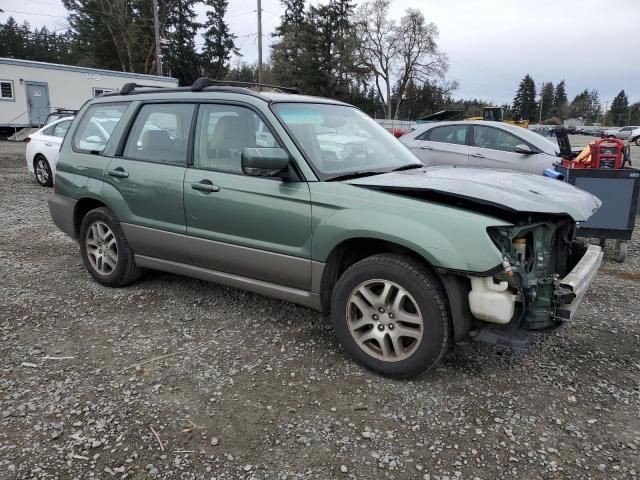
(446,237)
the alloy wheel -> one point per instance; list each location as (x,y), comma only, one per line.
(102,248)
(384,320)
(42,171)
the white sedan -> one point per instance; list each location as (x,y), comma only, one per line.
(42,150)
(482,144)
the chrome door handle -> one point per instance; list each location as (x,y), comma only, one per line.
(477,155)
(425,148)
(118,173)
(205,187)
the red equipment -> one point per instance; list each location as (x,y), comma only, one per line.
(398,132)
(606,153)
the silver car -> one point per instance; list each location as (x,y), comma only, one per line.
(482,144)
(622,133)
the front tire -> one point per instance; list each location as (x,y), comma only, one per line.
(390,315)
(637,141)
(42,171)
(105,251)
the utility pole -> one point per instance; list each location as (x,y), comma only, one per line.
(541,102)
(259,41)
(156,28)
(606,109)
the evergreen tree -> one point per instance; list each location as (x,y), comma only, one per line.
(219,42)
(586,105)
(524,103)
(315,49)
(634,114)
(44,45)
(560,105)
(14,38)
(112,34)
(287,53)
(546,100)
(292,18)
(580,105)
(619,111)
(182,60)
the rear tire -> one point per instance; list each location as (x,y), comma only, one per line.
(42,171)
(390,315)
(105,251)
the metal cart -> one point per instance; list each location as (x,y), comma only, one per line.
(618,191)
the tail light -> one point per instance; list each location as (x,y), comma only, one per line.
(28,139)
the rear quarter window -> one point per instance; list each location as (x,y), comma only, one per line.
(96,126)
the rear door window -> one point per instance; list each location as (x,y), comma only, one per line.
(60,129)
(96,126)
(160,133)
(456,134)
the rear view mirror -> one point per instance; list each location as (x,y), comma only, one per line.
(264,162)
(524,149)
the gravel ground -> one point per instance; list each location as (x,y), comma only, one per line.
(240,386)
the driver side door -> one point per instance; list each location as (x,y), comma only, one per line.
(255,227)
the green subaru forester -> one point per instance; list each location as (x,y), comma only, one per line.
(309,200)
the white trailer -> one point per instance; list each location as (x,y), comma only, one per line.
(30,90)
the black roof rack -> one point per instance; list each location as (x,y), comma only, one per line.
(204,82)
(127,88)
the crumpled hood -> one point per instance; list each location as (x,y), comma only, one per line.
(519,192)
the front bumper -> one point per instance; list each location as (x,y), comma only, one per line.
(572,288)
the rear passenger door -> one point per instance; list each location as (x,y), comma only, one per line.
(443,145)
(144,183)
(255,227)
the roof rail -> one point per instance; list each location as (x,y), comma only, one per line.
(204,82)
(127,88)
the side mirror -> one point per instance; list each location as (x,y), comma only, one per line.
(524,149)
(264,162)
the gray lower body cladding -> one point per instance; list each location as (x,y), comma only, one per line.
(62,210)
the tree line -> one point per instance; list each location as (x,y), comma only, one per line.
(119,35)
(352,52)
(550,105)
(355,53)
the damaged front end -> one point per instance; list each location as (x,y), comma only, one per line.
(544,276)
(544,272)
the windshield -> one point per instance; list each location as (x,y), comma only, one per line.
(340,140)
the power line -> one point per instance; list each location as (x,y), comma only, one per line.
(45,3)
(35,13)
(240,14)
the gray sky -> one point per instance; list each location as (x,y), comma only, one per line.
(491,44)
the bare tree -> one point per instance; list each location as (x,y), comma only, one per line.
(397,53)
(378,47)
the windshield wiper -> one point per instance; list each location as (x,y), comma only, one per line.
(350,175)
(410,166)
